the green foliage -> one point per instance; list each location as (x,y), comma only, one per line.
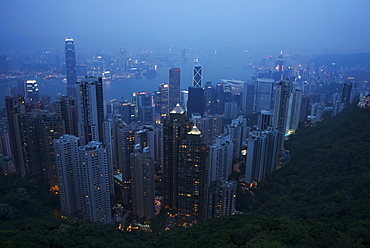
(319,199)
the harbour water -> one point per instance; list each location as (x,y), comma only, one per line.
(214,69)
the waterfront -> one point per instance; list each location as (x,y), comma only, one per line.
(214,69)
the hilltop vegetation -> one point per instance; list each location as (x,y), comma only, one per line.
(320,199)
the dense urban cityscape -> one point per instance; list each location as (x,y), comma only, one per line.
(150,127)
(172,148)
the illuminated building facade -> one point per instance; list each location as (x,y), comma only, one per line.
(197,74)
(90,110)
(173,88)
(70,57)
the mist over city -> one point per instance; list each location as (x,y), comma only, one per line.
(164,123)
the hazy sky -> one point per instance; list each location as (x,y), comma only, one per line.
(306,26)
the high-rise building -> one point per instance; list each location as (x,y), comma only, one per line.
(70,56)
(162,102)
(210,126)
(90,110)
(220,159)
(143,190)
(264,94)
(83,179)
(14,108)
(210,98)
(175,130)
(294,110)
(282,95)
(238,131)
(262,155)
(346,96)
(222,198)
(264,120)
(197,74)
(280,62)
(173,88)
(196,101)
(249,95)
(32,91)
(193,179)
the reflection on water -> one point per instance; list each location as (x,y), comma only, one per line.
(214,69)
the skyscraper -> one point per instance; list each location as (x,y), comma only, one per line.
(262,155)
(283,92)
(249,95)
(197,74)
(173,88)
(174,131)
(83,179)
(196,101)
(32,91)
(264,93)
(90,110)
(143,191)
(193,179)
(70,56)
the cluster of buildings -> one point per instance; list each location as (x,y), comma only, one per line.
(181,144)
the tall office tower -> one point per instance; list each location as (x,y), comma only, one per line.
(124,145)
(197,74)
(294,110)
(220,159)
(238,131)
(210,127)
(174,131)
(90,110)
(95,182)
(143,190)
(231,110)
(38,129)
(162,102)
(173,88)
(66,106)
(346,96)
(68,175)
(317,111)
(146,108)
(304,109)
(262,155)
(4,65)
(193,179)
(280,63)
(264,120)
(32,91)
(210,98)
(220,99)
(222,198)
(264,94)
(196,101)
(70,56)
(248,101)
(283,91)
(83,179)
(14,108)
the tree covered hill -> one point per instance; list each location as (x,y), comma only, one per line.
(321,198)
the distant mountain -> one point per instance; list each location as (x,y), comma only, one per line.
(350,60)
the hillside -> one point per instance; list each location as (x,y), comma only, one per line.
(320,199)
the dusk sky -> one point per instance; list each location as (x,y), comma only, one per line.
(304,26)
